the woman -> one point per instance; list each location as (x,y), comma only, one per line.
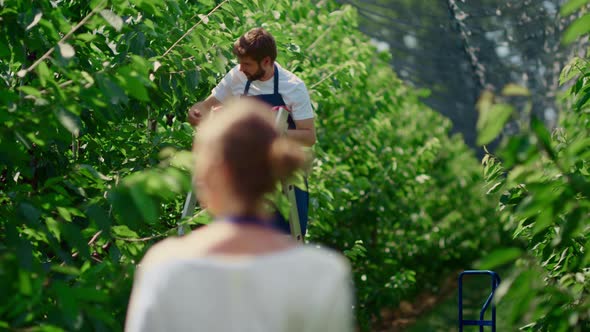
(239,273)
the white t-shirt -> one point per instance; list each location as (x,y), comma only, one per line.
(303,289)
(291,88)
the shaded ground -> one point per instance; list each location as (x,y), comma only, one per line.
(444,316)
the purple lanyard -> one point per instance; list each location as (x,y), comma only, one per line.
(248,220)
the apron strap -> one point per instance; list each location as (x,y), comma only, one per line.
(276,91)
(247,88)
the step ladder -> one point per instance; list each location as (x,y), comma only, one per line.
(281,116)
(481,322)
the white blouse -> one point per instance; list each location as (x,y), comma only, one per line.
(303,289)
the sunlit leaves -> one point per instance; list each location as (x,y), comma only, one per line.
(31,91)
(515,90)
(69,121)
(491,120)
(44,73)
(203,18)
(571,70)
(580,27)
(113,19)
(35,21)
(66,50)
(544,204)
(571,6)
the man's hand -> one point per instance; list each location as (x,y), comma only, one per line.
(201,110)
(194,115)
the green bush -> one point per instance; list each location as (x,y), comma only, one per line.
(543,181)
(95,164)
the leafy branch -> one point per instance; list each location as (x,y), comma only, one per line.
(332,73)
(206,17)
(24,72)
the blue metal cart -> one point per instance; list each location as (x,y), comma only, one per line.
(481,322)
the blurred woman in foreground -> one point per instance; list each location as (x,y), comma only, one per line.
(238,273)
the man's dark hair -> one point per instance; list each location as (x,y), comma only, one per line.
(257,44)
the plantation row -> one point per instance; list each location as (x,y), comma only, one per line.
(95,160)
(540,178)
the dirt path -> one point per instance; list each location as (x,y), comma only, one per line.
(408,313)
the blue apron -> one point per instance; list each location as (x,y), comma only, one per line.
(301,196)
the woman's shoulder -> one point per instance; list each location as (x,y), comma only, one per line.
(177,248)
(324,258)
(162,252)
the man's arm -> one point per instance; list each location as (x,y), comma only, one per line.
(304,132)
(199,111)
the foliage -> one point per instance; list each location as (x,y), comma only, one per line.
(544,183)
(94,162)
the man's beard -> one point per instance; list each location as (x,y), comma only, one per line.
(257,75)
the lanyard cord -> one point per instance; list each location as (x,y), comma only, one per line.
(248,220)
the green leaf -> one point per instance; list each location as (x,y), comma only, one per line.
(495,188)
(543,221)
(53,227)
(544,136)
(518,149)
(86,37)
(91,294)
(35,21)
(4,52)
(571,6)
(515,90)
(91,172)
(572,227)
(44,73)
(29,90)
(111,90)
(70,121)
(113,19)
(522,292)
(579,27)
(124,231)
(31,213)
(582,101)
(99,216)
(146,206)
(48,328)
(66,299)
(25,285)
(491,121)
(49,29)
(132,82)
(571,70)
(66,50)
(203,18)
(72,234)
(69,270)
(64,213)
(499,257)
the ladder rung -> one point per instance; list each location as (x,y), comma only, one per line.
(477,322)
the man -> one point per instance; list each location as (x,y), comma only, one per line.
(259,76)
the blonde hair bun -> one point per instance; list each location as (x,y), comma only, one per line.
(286,157)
